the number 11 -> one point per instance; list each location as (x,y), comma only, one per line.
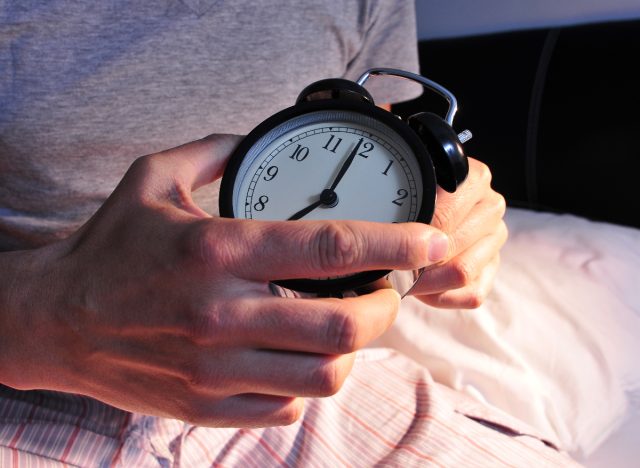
(335,147)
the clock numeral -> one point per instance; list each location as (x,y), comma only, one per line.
(367,147)
(260,204)
(300,153)
(271,173)
(385,172)
(403,194)
(335,146)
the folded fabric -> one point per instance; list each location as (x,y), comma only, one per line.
(557,341)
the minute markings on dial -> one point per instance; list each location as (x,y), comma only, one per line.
(261,175)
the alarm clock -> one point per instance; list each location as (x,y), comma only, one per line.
(336,155)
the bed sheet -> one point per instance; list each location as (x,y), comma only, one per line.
(557,342)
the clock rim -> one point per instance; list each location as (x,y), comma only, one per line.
(425,163)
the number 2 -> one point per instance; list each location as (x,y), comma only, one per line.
(367,147)
(403,194)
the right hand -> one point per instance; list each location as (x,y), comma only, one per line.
(156,307)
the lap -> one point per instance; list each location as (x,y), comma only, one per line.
(389,412)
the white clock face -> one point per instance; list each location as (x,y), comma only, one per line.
(365,169)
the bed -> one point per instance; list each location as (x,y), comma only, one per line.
(557,342)
(554,114)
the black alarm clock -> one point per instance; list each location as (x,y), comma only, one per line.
(336,155)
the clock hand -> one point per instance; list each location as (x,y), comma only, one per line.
(305,211)
(345,166)
(328,198)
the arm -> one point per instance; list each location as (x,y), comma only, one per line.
(156,307)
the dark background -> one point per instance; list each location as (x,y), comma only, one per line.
(554,113)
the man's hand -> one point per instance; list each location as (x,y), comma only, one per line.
(473,219)
(156,307)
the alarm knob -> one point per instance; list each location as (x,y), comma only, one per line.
(445,148)
(334,88)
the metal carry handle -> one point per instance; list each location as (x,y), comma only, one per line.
(426,82)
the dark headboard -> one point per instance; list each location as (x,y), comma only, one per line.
(555,113)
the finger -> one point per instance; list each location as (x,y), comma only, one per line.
(219,372)
(246,411)
(452,208)
(463,269)
(471,296)
(328,326)
(272,250)
(483,219)
(154,394)
(277,373)
(199,162)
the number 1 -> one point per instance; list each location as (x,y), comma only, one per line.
(388,167)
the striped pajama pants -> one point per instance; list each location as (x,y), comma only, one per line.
(389,412)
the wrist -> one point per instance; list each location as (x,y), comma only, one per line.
(28,297)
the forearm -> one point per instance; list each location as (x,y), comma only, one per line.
(156,307)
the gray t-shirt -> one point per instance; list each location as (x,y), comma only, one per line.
(86,87)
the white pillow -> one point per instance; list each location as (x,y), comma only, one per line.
(557,342)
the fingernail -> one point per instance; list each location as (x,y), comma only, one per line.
(438,247)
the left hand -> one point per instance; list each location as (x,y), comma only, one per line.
(472,217)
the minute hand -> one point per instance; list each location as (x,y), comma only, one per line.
(345,165)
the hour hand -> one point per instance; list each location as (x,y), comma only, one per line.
(305,211)
(328,198)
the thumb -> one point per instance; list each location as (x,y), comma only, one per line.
(202,161)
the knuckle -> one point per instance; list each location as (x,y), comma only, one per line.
(500,204)
(143,164)
(342,331)
(146,166)
(326,379)
(483,173)
(337,247)
(138,179)
(203,326)
(203,246)
(196,377)
(443,218)
(462,273)
(215,321)
(290,414)
(474,298)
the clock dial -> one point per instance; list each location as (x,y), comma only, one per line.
(329,165)
(335,155)
(329,160)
